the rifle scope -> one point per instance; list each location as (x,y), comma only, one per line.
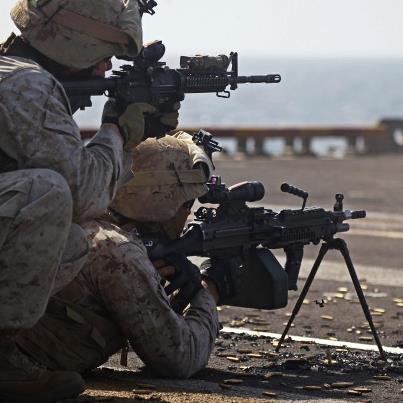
(244,191)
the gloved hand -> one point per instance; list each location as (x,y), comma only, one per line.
(224,273)
(186,279)
(159,124)
(131,122)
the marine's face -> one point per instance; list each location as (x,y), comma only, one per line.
(101,68)
(182,215)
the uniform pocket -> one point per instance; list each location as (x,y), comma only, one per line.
(58,116)
(12,196)
(59,123)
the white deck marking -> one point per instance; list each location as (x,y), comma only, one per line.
(324,342)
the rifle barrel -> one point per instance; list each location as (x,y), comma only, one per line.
(358,214)
(268,78)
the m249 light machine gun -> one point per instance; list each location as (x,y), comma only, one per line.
(234,229)
(149,80)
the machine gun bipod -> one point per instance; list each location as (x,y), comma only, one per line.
(340,245)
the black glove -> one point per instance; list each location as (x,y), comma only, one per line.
(187,280)
(224,273)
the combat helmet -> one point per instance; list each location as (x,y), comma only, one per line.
(168,172)
(80,33)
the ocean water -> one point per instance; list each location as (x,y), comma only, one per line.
(313,92)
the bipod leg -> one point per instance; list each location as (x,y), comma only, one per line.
(342,246)
(322,252)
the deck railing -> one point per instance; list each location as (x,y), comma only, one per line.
(385,137)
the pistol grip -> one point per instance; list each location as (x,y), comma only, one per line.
(294,254)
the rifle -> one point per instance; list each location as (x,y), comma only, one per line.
(149,80)
(234,229)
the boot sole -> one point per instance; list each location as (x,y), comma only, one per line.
(68,392)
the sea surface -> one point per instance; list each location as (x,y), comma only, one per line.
(313,92)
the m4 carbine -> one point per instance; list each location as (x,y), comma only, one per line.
(149,80)
(233,229)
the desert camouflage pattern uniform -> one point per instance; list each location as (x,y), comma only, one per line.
(117,296)
(48,179)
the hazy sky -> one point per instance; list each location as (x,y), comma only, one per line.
(369,28)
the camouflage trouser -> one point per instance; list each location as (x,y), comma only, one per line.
(35,224)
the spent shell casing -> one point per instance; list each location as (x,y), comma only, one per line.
(382,377)
(312,387)
(255,355)
(269,394)
(224,354)
(363,390)
(342,385)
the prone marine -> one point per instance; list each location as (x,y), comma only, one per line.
(119,295)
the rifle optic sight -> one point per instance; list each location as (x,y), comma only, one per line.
(244,192)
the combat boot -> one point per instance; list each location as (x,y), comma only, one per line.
(23,381)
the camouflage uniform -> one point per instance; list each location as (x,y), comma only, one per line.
(37,132)
(118,294)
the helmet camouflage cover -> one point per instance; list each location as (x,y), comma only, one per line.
(167,173)
(80,33)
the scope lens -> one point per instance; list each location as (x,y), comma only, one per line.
(247,191)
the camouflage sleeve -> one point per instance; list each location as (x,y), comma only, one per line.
(170,344)
(43,134)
